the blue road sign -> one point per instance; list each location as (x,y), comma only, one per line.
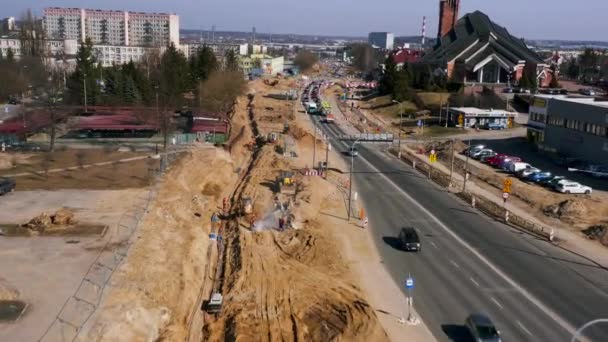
(212,237)
(409,283)
(214,218)
(419,123)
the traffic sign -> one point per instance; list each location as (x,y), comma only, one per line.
(409,283)
(419,123)
(212,237)
(505,195)
(507,185)
(433,151)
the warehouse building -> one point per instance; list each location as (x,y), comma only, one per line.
(571,127)
(470,117)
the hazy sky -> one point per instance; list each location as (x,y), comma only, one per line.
(550,19)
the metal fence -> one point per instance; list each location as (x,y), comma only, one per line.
(80,306)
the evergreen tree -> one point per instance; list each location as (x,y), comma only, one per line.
(231,61)
(174,77)
(130,92)
(202,64)
(401,86)
(85,73)
(387,83)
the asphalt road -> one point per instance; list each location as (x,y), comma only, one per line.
(533,291)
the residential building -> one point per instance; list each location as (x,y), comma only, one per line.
(108,55)
(111,27)
(54,47)
(219,49)
(382,40)
(475,49)
(8,24)
(470,117)
(571,127)
(255,49)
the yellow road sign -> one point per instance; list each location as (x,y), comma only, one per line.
(506,188)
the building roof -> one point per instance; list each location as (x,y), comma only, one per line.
(478,111)
(402,56)
(590,101)
(474,38)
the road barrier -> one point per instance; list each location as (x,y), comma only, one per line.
(487,206)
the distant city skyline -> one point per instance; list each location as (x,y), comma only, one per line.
(539,19)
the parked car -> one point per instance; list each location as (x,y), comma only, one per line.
(505,164)
(518,166)
(508,90)
(481,153)
(473,148)
(482,329)
(559,182)
(540,176)
(588,92)
(549,182)
(527,172)
(491,126)
(494,161)
(573,188)
(409,240)
(6,185)
(484,158)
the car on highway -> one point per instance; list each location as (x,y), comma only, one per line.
(353,152)
(6,185)
(538,177)
(495,126)
(482,329)
(409,240)
(573,188)
(527,172)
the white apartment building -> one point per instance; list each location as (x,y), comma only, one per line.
(108,55)
(54,47)
(111,27)
(219,49)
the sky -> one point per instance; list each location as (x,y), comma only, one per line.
(530,19)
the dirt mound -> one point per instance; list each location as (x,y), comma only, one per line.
(598,232)
(40,223)
(568,210)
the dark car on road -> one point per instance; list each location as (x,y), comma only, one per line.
(482,328)
(6,185)
(409,240)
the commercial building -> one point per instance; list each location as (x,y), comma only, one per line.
(470,117)
(111,27)
(474,49)
(269,65)
(571,127)
(381,40)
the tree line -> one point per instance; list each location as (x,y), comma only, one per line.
(589,67)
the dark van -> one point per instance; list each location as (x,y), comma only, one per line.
(6,185)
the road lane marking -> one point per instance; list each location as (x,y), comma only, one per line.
(455,264)
(434,245)
(496,302)
(474,282)
(531,298)
(523,328)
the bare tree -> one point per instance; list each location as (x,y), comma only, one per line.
(54,95)
(80,158)
(47,159)
(219,92)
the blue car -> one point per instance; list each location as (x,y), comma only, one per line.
(495,126)
(540,177)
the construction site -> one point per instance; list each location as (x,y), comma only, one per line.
(242,241)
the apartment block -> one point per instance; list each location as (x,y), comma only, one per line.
(112,27)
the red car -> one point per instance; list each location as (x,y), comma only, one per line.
(495,161)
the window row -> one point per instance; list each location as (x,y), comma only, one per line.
(577,125)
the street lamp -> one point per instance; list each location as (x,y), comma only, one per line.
(84,83)
(400,127)
(350,182)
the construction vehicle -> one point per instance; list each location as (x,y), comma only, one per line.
(287,183)
(214,305)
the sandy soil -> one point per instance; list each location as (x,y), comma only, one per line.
(154,291)
(289,285)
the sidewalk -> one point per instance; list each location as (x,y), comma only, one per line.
(571,241)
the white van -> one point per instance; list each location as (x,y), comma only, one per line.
(516,167)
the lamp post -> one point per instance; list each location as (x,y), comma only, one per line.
(400,128)
(84,83)
(350,182)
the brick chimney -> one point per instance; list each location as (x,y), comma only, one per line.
(448,16)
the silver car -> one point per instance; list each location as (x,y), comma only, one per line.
(482,329)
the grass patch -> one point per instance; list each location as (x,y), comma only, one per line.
(432,99)
(438,131)
(384,106)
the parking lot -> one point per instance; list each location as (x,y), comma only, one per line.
(528,153)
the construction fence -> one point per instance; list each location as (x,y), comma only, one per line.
(484,204)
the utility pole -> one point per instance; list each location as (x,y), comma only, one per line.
(447,112)
(451,163)
(400,127)
(350,182)
(327,158)
(466,168)
(84,83)
(314,149)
